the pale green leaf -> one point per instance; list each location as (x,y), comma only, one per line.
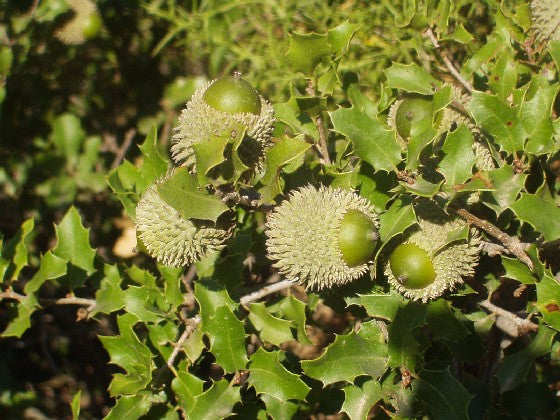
(51,267)
(410,78)
(14,251)
(507,184)
(22,320)
(548,300)
(339,38)
(306,51)
(516,270)
(67,136)
(139,301)
(379,306)
(186,388)
(109,296)
(130,407)
(75,405)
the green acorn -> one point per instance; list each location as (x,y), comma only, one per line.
(218,107)
(322,237)
(169,237)
(545,16)
(426,264)
(85,24)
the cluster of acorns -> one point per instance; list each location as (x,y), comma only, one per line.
(320,237)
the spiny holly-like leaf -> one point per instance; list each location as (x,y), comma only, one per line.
(73,243)
(172,279)
(410,78)
(216,403)
(227,338)
(154,165)
(182,192)
(516,270)
(514,367)
(268,376)
(422,133)
(536,114)
(14,252)
(140,301)
(371,141)
(384,306)
(503,78)
(487,52)
(211,296)
(499,120)
(129,353)
(286,151)
(359,400)
(306,51)
(397,219)
(443,323)
(294,310)
(51,267)
(403,347)
(161,335)
(421,187)
(442,394)
(456,165)
(186,388)
(130,407)
(375,186)
(363,353)
(109,296)
(271,329)
(507,184)
(339,38)
(548,300)
(541,213)
(290,115)
(21,320)
(279,409)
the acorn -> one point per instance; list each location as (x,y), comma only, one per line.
(425,266)
(322,237)
(85,24)
(219,107)
(545,17)
(170,238)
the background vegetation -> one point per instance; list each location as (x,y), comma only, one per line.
(90,327)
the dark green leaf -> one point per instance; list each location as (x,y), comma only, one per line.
(371,141)
(507,184)
(268,376)
(130,407)
(404,350)
(73,242)
(516,270)
(51,267)
(279,409)
(396,220)
(109,296)
(139,301)
(531,400)
(182,192)
(382,306)
(22,319)
(443,395)
(498,119)
(154,165)
(420,187)
(443,323)
(410,78)
(543,214)
(14,252)
(514,367)
(362,355)
(216,403)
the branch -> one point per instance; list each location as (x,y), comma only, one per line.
(124,147)
(266,290)
(430,34)
(513,244)
(73,300)
(179,345)
(318,121)
(523,325)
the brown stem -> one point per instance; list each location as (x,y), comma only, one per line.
(179,345)
(124,147)
(430,34)
(523,325)
(513,244)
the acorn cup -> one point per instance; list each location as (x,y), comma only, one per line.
(435,258)
(322,237)
(545,18)
(171,238)
(85,24)
(219,109)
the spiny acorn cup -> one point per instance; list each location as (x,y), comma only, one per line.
(429,262)
(545,17)
(322,237)
(170,238)
(219,107)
